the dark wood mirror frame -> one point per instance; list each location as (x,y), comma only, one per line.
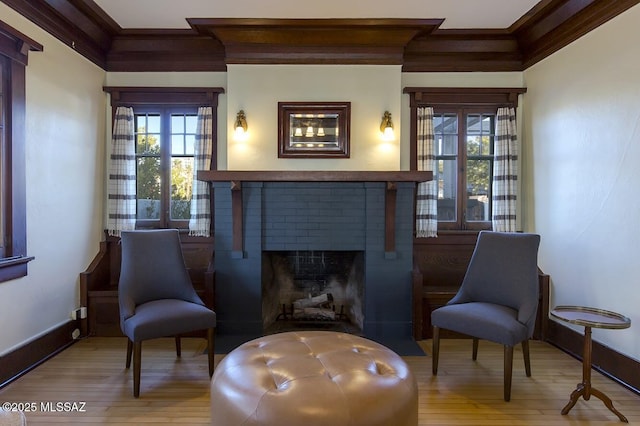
(320,129)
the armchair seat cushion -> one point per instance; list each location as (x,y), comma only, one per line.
(483,320)
(167,317)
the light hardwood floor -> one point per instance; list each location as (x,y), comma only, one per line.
(176,391)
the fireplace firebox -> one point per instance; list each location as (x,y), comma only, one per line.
(313,290)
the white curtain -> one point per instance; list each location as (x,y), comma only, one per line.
(200,221)
(505,174)
(121,203)
(427,194)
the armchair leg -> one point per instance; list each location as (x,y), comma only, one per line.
(435,350)
(129,350)
(527,360)
(137,358)
(474,354)
(508,368)
(211,334)
(178,347)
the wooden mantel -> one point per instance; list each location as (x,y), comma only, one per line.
(236,177)
(313,176)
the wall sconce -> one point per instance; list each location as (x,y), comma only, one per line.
(240,126)
(386,127)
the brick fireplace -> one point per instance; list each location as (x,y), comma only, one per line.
(362,217)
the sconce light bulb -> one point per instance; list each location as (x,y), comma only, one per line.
(388,134)
(240,131)
(386,127)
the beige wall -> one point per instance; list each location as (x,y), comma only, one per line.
(257,89)
(583,123)
(64,170)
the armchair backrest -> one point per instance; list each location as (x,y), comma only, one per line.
(153,268)
(504,270)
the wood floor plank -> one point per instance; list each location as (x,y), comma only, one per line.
(176,390)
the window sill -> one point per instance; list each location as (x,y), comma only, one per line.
(14,267)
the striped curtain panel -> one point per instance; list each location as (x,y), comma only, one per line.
(121,203)
(505,175)
(427,194)
(200,221)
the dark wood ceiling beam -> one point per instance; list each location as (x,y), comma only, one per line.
(307,41)
(167,50)
(562,22)
(456,50)
(67,23)
(294,54)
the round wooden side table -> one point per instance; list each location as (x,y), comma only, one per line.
(588,318)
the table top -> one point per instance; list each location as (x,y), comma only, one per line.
(590,317)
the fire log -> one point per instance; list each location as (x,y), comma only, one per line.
(313,301)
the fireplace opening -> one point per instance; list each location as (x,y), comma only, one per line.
(313,290)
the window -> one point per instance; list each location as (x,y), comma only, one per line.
(464,167)
(14,48)
(165,127)
(464,121)
(165,139)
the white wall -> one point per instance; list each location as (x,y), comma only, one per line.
(64,169)
(583,122)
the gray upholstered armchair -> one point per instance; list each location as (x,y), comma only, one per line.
(498,298)
(156,296)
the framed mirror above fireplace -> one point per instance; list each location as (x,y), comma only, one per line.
(313,129)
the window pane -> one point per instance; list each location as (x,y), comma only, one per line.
(153,124)
(177,145)
(189,141)
(147,142)
(487,124)
(445,129)
(191,124)
(183,130)
(473,124)
(148,188)
(446,176)
(480,134)
(177,124)
(478,189)
(450,124)
(181,187)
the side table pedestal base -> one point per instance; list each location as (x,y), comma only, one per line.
(581,391)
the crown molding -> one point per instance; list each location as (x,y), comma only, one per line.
(419,45)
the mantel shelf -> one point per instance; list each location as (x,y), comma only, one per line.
(313,176)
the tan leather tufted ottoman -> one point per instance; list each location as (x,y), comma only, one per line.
(313,378)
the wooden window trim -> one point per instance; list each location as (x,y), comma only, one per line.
(456,99)
(14,51)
